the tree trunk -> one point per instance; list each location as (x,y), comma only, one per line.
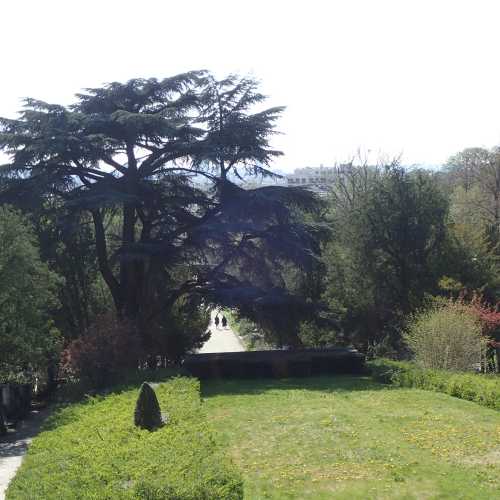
(102,258)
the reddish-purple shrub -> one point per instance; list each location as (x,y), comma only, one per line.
(110,346)
(488,315)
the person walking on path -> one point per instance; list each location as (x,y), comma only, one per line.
(224,322)
(216,321)
(221,340)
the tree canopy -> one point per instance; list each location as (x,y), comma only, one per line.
(151,162)
(28,291)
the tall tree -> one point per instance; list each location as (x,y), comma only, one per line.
(479,168)
(390,231)
(132,156)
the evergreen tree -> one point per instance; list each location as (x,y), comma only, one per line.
(150,162)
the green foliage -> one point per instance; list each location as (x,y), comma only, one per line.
(28,292)
(149,164)
(67,246)
(389,227)
(447,336)
(477,172)
(473,256)
(184,327)
(482,389)
(312,335)
(252,335)
(473,180)
(147,414)
(93,450)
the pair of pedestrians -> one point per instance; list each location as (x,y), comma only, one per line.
(223,321)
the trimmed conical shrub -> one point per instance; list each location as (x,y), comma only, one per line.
(147,410)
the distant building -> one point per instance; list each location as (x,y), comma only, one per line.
(318,179)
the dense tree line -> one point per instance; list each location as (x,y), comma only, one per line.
(403,236)
(129,201)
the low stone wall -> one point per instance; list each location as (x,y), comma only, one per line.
(275,363)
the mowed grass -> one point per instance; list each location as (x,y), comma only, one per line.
(350,438)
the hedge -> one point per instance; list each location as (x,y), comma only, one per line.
(482,389)
(92,450)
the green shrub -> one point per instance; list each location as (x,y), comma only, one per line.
(147,414)
(482,389)
(312,335)
(92,450)
(448,336)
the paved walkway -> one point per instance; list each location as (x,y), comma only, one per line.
(14,445)
(222,339)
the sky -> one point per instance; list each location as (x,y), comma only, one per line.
(415,78)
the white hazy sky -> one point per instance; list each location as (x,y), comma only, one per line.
(416,77)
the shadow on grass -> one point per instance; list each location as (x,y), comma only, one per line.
(328,384)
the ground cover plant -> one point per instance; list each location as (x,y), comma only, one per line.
(353,438)
(92,450)
(480,388)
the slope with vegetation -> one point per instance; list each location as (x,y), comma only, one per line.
(93,450)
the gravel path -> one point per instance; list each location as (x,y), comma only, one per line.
(14,445)
(222,339)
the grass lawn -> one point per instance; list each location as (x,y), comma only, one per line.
(346,437)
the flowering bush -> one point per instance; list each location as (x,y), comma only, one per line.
(488,316)
(110,346)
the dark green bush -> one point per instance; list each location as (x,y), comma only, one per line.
(482,389)
(147,414)
(92,450)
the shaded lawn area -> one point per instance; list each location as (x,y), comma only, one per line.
(350,437)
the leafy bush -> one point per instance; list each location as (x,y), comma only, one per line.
(448,336)
(147,413)
(93,450)
(110,346)
(482,389)
(312,335)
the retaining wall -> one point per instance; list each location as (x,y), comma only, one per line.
(275,363)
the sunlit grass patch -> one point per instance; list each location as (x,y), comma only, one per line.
(353,438)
